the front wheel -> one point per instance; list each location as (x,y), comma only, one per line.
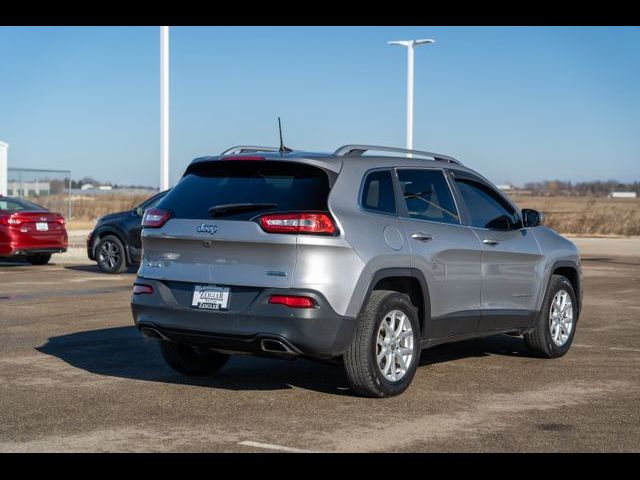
(110,255)
(385,351)
(556,326)
(189,360)
(42,259)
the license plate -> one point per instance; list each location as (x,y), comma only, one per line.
(208,297)
(42,226)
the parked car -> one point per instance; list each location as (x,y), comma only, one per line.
(363,258)
(30,231)
(114,243)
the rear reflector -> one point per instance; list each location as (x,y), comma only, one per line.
(139,289)
(155,218)
(318,223)
(293,301)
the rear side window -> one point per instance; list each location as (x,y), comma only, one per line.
(377,194)
(427,195)
(277,186)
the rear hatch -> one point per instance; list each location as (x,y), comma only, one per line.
(233,223)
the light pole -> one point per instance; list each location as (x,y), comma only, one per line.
(410,44)
(164,108)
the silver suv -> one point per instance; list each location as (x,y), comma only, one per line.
(349,256)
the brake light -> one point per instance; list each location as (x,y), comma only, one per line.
(155,218)
(139,289)
(60,220)
(319,223)
(11,221)
(292,301)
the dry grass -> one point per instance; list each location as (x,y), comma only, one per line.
(86,209)
(571,215)
(587,215)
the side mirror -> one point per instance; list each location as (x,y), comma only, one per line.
(139,211)
(531,217)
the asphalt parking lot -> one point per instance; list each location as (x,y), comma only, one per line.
(75,375)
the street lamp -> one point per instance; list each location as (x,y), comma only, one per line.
(410,44)
(164,108)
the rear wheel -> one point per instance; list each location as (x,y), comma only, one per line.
(190,360)
(385,351)
(556,326)
(110,255)
(41,259)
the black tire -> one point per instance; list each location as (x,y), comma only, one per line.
(540,339)
(111,255)
(188,360)
(360,361)
(41,259)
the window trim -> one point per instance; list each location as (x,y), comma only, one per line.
(475,178)
(394,181)
(404,211)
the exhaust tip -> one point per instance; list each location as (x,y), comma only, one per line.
(152,333)
(276,346)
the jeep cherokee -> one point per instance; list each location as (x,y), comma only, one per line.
(362,258)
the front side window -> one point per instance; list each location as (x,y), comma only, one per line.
(486,207)
(377,194)
(427,195)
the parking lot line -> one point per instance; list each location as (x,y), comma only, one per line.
(270,446)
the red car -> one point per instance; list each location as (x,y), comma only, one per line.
(30,231)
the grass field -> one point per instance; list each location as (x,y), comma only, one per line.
(587,215)
(571,215)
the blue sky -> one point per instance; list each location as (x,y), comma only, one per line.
(516,103)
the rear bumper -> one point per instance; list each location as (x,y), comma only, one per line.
(313,332)
(25,252)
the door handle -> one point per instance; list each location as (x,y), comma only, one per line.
(490,241)
(421,237)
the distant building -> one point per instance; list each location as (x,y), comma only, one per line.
(28,189)
(87,186)
(105,187)
(506,187)
(623,195)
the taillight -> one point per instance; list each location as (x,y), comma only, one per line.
(155,218)
(292,301)
(139,289)
(319,223)
(60,220)
(10,220)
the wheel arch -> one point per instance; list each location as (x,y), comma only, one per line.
(571,272)
(403,280)
(102,232)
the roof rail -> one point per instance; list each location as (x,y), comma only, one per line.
(359,150)
(248,148)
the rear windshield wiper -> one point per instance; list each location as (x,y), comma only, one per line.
(228,208)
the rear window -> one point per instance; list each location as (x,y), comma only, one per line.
(18,205)
(286,186)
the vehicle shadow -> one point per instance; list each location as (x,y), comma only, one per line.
(505,345)
(93,268)
(13,262)
(125,353)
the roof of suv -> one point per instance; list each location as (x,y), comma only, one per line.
(333,161)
